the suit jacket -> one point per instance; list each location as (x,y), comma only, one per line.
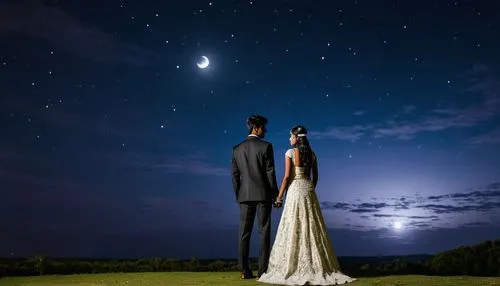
(253,174)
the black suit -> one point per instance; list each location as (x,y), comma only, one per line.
(255,187)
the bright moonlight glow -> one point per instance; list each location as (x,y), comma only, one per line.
(397,225)
(203,63)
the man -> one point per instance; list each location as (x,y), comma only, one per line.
(255,187)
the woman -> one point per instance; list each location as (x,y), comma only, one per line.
(302,253)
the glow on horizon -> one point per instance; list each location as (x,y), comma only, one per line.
(397,225)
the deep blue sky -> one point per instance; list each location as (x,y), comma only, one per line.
(114,143)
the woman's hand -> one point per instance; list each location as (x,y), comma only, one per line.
(278,203)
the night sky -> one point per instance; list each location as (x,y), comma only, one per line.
(114,143)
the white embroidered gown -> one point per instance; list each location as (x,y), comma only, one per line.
(302,253)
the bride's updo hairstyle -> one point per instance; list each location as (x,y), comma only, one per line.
(305,152)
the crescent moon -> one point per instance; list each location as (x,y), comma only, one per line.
(203,63)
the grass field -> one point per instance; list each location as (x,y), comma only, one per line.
(222,278)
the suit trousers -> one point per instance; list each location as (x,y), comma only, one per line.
(247,217)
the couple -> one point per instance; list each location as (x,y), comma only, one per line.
(302,253)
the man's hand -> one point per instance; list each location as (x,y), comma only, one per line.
(278,203)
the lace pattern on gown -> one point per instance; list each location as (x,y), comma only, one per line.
(302,253)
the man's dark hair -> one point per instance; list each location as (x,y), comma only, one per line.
(255,121)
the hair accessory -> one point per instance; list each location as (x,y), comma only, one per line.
(301,135)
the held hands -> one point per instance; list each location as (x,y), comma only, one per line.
(278,203)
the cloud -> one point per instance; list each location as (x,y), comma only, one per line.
(482,200)
(492,190)
(406,123)
(492,137)
(443,209)
(397,204)
(186,165)
(194,164)
(63,32)
(410,217)
(407,110)
(438,121)
(352,133)
(364,210)
(479,205)
(479,68)
(335,206)
(358,112)
(479,83)
(475,224)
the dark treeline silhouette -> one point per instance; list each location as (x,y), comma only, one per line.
(478,260)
